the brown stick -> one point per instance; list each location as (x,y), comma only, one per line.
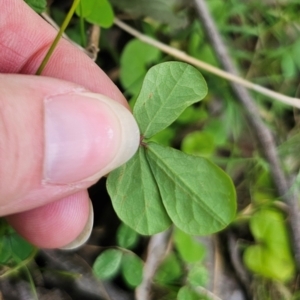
(93,41)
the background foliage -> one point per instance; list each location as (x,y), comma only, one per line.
(253,257)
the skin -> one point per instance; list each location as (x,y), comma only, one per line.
(36,211)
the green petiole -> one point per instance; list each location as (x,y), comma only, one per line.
(58,37)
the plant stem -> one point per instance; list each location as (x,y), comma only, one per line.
(295,102)
(54,25)
(58,37)
(156,251)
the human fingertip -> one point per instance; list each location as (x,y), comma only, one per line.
(82,238)
(86,136)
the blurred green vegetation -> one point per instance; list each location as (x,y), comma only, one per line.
(264,42)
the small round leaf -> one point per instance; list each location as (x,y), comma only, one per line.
(107,263)
(126,237)
(132,269)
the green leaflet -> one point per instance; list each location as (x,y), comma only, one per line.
(97,12)
(135,196)
(198,143)
(13,248)
(190,250)
(198,275)
(198,196)
(37,5)
(169,271)
(107,264)
(134,61)
(5,249)
(132,269)
(167,90)
(126,236)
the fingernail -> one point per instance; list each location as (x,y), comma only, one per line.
(85,234)
(86,136)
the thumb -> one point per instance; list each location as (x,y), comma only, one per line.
(56,139)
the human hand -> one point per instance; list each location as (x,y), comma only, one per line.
(56,137)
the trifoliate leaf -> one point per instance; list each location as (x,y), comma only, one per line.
(135,196)
(168,89)
(160,185)
(199,197)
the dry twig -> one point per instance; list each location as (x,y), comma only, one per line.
(295,102)
(93,41)
(237,264)
(157,250)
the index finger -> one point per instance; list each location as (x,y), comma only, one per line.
(25,39)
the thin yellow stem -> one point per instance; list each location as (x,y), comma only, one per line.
(58,37)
